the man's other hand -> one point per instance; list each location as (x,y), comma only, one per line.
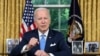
(41,53)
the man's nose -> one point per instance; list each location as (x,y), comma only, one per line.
(43,20)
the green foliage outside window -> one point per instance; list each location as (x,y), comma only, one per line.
(39,2)
(54,18)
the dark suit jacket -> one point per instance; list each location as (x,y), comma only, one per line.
(60,49)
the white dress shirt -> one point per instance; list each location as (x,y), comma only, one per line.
(40,33)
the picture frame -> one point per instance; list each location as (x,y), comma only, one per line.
(92,47)
(77,47)
(10,44)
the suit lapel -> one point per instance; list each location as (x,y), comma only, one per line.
(48,41)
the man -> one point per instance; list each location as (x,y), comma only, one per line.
(53,45)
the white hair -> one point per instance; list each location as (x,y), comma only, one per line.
(38,9)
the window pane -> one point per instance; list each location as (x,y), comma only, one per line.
(64,17)
(54,18)
(65,1)
(38,2)
(52,1)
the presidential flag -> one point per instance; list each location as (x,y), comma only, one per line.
(76,31)
(27,19)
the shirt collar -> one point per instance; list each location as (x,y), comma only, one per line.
(40,33)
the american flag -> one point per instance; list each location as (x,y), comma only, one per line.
(27,19)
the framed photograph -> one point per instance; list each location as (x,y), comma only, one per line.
(92,47)
(11,43)
(77,47)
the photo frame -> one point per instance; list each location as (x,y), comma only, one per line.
(77,47)
(92,47)
(10,44)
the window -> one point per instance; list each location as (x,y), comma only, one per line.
(59,10)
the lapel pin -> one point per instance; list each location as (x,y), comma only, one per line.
(49,37)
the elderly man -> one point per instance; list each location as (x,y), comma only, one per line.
(42,41)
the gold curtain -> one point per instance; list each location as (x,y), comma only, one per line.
(90,10)
(10,19)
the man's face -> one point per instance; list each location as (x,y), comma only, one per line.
(42,20)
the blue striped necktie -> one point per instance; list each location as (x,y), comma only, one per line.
(42,42)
